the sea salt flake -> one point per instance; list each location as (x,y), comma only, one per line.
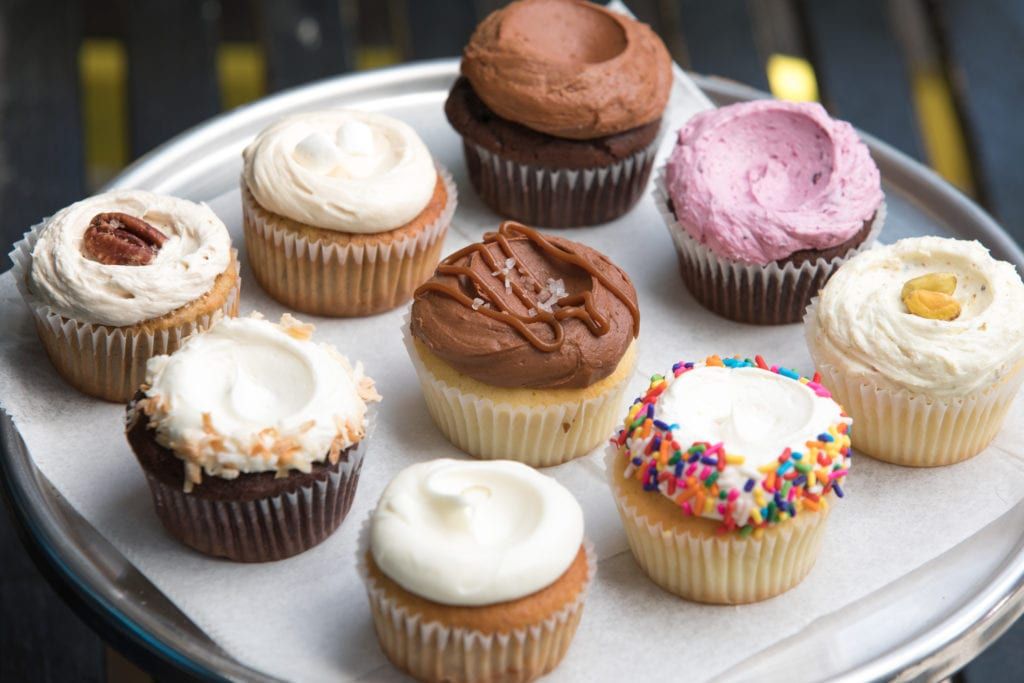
(477,303)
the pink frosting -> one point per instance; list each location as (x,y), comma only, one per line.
(758,181)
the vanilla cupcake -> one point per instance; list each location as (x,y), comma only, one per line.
(523,344)
(344,211)
(723,475)
(923,342)
(475,571)
(120,277)
(252,438)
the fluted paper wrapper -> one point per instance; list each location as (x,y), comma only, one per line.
(769,294)
(539,436)
(100,360)
(341,280)
(725,569)
(910,429)
(433,651)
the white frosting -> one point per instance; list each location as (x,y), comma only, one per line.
(344,170)
(251,396)
(863,327)
(463,532)
(197,250)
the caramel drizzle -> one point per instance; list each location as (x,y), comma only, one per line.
(580,306)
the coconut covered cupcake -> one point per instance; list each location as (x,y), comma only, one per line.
(523,344)
(723,475)
(764,201)
(117,278)
(344,211)
(475,571)
(923,341)
(252,438)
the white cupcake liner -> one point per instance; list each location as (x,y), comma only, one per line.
(433,651)
(769,294)
(726,569)
(100,360)
(909,428)
(539,436)
(341,280)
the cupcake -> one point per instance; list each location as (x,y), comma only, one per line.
(475,571)
(764,201)
(251,437)
(120,277)
(344,211)
(559,107)
(523,344)
(923,342)
(723,475)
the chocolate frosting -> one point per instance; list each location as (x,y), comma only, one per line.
(523,309)
(568,68)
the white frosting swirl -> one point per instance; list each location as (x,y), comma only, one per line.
(862,326)
(463,532)
(344,170)
(197,250)
(251,396)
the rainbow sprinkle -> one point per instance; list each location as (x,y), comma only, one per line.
(707,480)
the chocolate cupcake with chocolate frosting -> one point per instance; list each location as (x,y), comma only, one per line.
(559,107)
(523,344)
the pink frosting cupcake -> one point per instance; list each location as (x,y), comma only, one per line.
(764,201)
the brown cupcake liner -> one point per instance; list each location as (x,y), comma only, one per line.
(771,294)
(559,197)
(341,280)
(104,361)
(265,529)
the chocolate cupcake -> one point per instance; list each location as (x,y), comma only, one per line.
(251,437)
(559,108)
(523,344)
(764,201)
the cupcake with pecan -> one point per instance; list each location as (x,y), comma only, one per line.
(559,107)
(523,344)
(120,277)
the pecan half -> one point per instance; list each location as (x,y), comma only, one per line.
(117,239)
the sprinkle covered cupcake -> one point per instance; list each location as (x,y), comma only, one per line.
(923,342)
(344,211)
(251,437)
(764,201)
(559,108)
(523,344)
(475,571)
(723,475)
(120,277)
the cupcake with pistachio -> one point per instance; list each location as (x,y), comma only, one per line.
(923,342)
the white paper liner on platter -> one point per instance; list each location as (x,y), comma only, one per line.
(913,429)
(100,360)
(432,651)
(751,293)
(725,569)
(341,280)
(539,436)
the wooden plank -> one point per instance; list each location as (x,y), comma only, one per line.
(985,51)
(172,69)
(719,40)
(439,29)
(41,156)
(304,40)
(861,70)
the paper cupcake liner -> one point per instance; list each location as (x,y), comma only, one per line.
(341,280)
(726,569)
(433,651)
(911,429)
(262,530)
(769,294)
(99,360)
(559,197)
(539,436)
